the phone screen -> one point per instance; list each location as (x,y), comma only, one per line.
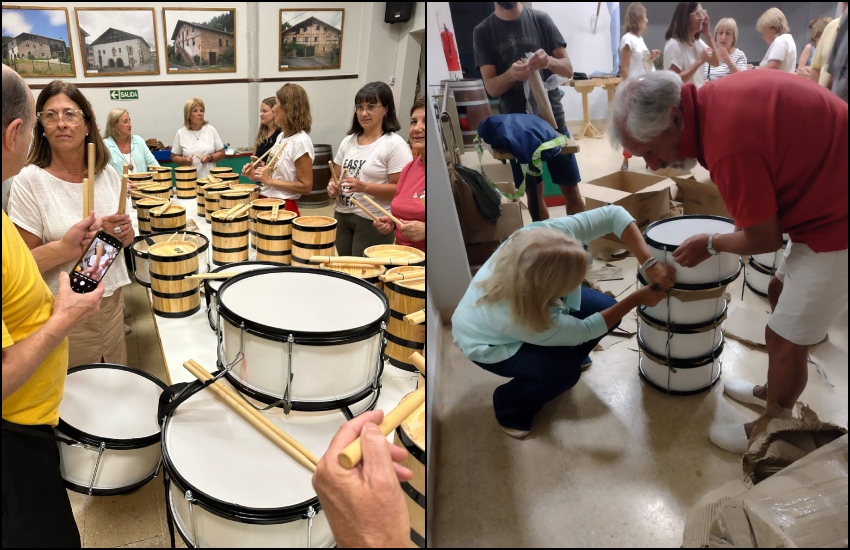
(95,262)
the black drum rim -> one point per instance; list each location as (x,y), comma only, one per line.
(760,267)
(110,443)
(689,363)
(670,247)
(411,447)
(345,336)
(751,287)
(702,286)
(681,328)
(679,392)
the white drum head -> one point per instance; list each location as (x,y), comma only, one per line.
(111,402)
(314,301)
(215,284)
(675,231)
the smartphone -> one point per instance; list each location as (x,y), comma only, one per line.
(103,251)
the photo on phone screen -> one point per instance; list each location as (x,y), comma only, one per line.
(102,252)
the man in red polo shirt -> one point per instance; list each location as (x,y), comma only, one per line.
(776,146)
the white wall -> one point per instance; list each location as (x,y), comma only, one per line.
(371,50)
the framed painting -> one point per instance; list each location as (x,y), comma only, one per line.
(310,39)
(200,40)
(117,41)
(36,41)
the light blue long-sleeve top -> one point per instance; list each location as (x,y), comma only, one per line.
(489,333)
(141,154)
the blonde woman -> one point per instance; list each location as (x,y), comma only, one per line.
(526,315)
(269,130)
(124,147)
(782,51)
(816,28)
(732,59)
(197,143)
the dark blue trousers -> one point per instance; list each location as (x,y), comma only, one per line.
(542,373)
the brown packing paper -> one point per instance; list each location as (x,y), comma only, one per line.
(700,197)
(694,295)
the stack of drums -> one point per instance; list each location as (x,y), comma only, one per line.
(161,174)
(262,205)
(369,273)
(312,236)
(186,179)
(473,106)
(273,237)
(229,238)
(143,208)
(405,297)
(211,198)
(140,179)
(141,260)
(173,294)
(681,338)
(199,190)
(318,197)
(761,267)
(172,219)
(407,254)
(410,435)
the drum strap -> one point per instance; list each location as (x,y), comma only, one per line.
(27,430)
(175,394)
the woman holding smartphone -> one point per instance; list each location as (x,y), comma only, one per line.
(46,200)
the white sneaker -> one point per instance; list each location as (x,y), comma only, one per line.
(516,434)
(729,437)
(741,390)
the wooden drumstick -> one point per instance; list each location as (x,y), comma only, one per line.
(353,453)
(88,196)
(359,260)
(363,208)
(233,209)
(91,172)
(274,212)
(417,360)
(254,164)
(160,210)
(384,212)
(277,436)
(122,198)
(407,275)
(333,172)
(238,212)
(415,318)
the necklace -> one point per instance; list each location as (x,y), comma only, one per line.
(71,173)
(197,134)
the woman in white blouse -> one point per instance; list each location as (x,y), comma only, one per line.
(197,142)
(732,59)
(685,52)
(782,51)
(47,199)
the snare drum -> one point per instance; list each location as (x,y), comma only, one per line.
(211,286)
(758,277)
(664,236)
(141,259)
(319,350)
(112,411)
(680,376)
(680,341)
(228,486)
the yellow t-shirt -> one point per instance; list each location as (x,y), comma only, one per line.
(827,40)
(27,305)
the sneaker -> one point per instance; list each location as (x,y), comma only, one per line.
(127,329)
(516,434)
(741,390)
(729,437)
(586,363)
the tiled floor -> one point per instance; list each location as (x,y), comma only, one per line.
(611,463)
(136,520)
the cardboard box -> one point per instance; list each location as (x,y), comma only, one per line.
(645,197)
(700,197)
(479,252)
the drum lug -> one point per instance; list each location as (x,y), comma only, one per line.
(287,403)
(100,450)
(311,513)
(191,499)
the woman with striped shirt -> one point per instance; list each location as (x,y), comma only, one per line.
(732,59)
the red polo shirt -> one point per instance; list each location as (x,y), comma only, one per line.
(407,205)
(774,143)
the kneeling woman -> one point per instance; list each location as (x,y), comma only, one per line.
(526,315)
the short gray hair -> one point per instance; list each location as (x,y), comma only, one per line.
(16,100)
(641,109)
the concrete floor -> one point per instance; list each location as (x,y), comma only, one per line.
(613,462)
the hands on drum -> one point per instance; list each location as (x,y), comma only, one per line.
(693,251)
(662,274)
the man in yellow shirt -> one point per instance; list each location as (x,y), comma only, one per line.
(36,510)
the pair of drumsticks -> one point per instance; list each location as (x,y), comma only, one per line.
(365,196)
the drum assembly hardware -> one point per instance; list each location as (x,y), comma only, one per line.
(100,450)
(311,513)
(191,500)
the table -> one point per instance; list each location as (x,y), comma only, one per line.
(234,162)
(584,87)
(192,337)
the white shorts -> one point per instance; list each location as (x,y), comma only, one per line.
(780,269)
(813,296)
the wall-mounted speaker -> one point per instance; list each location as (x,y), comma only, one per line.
(398,12)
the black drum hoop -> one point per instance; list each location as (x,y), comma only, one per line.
(679,328)
(690,363)
(671,247)
(110,443)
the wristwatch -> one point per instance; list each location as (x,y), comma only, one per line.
(711,249)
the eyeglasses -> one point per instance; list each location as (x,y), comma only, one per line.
(371,107)
(72,117)
(701,14)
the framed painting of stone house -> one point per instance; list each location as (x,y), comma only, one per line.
(200,40)
(118,41)
(36,42)
(310,39)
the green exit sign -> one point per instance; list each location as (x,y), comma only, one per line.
(123,94)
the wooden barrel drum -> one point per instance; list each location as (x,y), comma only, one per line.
(173,294)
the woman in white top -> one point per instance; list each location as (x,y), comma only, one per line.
(685,52)
(635,58)
(124,147)
(782,51)
(292,174)
(47,198)
(732,59)
(373,156)
(197,142)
